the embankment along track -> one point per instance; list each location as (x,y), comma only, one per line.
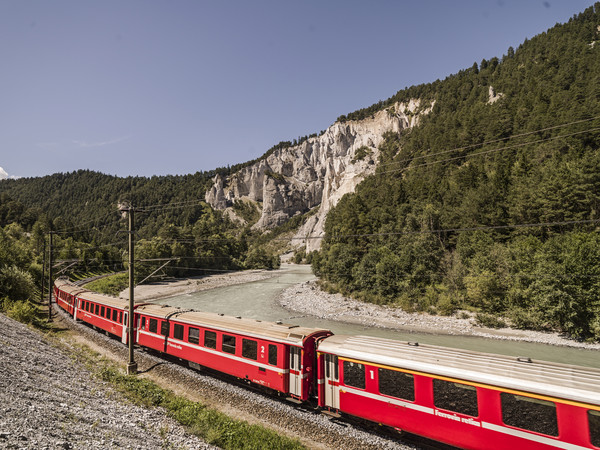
(313,429)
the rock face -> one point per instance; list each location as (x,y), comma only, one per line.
(317,172)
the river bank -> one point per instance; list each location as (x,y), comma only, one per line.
(308,298)
(171,288)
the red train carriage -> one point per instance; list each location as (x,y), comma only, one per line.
(278,356)
(102,311)
(65,294)
(468,399)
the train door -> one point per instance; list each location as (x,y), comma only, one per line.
(296,371)
(75,307)
(124,331)
(332,381)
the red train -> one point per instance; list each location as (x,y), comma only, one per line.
(462,398)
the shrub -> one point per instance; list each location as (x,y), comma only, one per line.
(489,321)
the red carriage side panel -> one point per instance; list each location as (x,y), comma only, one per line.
(468,413)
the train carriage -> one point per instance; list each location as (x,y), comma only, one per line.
(104,312)
(274,355)
(468,399)
(65,295)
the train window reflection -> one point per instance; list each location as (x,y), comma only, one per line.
(397,384)
(210,339)
(529,413)
(272,354)
(354,374)
(594,420)
(249,349)
(178,331)
(228,344)
(164,328)
(193,335)
(457,397)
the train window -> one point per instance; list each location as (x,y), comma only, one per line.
(295,358)
(594,421)
(397,384)
(120,317)
(143,325)
(97,309)
(354,374)
(249,349)
(457,397)
(178,331)
(108,312)
(272,354)
(210,339)
(228,345)
(153,327)
(115,315)
(102,311)
(164,328)
(193,335)
(332,361)
(529,413)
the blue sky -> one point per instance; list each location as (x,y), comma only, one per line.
(172,87)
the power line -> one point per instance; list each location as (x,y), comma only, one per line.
(493,141)
(510,147)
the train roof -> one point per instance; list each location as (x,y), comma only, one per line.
(273,331)
(569,382)
(86,294)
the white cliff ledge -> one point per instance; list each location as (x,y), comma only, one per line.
(317,172)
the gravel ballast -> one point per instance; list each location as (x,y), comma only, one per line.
(47,400)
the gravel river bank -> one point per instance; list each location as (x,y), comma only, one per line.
(308,298)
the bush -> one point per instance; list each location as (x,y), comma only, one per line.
(16,284)
(22,311)
(489,321)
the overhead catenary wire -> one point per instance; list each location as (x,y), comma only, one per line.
(493,141)
(486,152)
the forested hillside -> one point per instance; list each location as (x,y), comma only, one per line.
(81,209)
(492,203)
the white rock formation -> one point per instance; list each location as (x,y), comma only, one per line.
(317,172)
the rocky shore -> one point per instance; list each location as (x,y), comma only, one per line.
(307,298)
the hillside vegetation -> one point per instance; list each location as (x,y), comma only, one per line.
(491,204)
(509,142)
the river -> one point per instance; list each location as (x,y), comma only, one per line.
(257,300)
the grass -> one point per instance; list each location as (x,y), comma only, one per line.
(110,285)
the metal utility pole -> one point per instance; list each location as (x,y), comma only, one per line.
(43,273)
(50,278)
(131,364)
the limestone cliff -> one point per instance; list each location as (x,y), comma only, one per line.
(317,172)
